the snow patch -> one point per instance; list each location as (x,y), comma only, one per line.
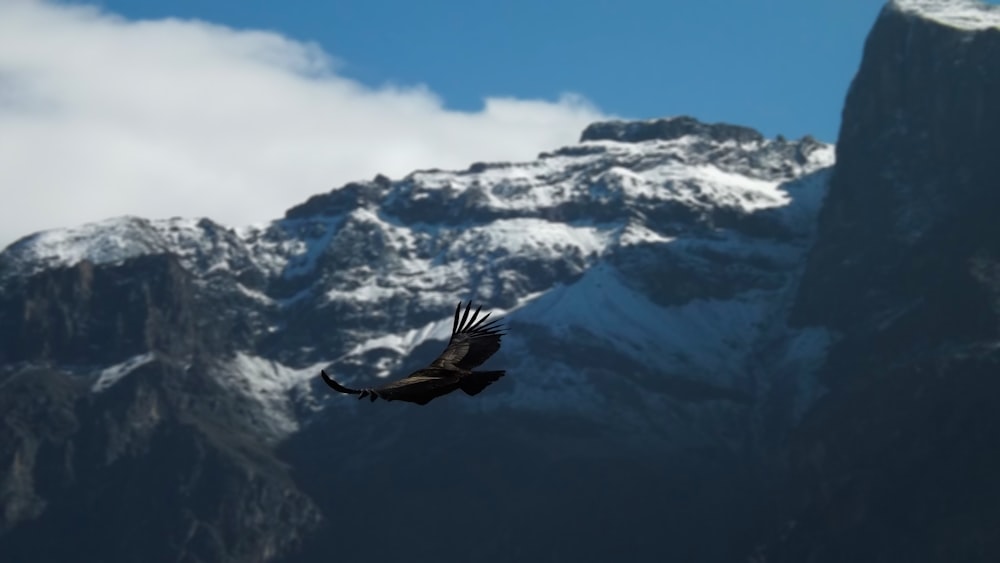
(268,383)
(635,233)
(102,242)
(113,374)
(531,236)
(969,15)
(705,339)
(406,342)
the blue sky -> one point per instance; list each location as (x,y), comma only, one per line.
(781,66)
(237,110)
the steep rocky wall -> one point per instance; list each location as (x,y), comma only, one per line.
(897,462)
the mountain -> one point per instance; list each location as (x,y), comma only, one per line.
(713,335)
(643,272)
(896,462)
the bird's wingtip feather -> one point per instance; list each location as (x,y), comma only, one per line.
(336,386)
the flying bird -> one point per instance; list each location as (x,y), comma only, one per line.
(472,343)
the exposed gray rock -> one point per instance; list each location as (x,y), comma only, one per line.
(668,130)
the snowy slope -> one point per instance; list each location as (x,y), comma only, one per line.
(971,15)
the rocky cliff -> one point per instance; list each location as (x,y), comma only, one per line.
(896,462)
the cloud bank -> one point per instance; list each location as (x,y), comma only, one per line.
(101,116)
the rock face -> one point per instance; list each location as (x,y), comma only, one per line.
(694,334)
(895,463)
(158,467)
(667,130)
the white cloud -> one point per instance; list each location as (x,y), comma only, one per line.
(101,116)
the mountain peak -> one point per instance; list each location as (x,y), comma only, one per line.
(667,129)
(970,15)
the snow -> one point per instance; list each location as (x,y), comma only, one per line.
(300,253)
(367,293)
(254,294)
(629,173)
(806,195)
(530,235)
(516,237)
(641,234)
(970,15)
(199,243)
(268,383)
(112,240)
(823,157)
(706,339)
(404,343)
(113,374)
(708,186)
(647,170)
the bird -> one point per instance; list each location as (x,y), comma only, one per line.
(472,343)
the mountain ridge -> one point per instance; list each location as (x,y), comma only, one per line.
(599,255)
(697,184)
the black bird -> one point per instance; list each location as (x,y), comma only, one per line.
(472,343)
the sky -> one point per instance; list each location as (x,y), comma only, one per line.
(239,109)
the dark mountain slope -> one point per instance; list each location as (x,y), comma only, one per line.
(898,461)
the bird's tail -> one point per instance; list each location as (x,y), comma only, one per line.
(476,381)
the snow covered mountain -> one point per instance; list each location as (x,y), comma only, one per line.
(646,274)
(673,255)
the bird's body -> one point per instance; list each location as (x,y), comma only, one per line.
(472,343)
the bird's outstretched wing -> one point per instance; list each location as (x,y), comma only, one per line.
(338,387)
(472,341)
(417,388)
